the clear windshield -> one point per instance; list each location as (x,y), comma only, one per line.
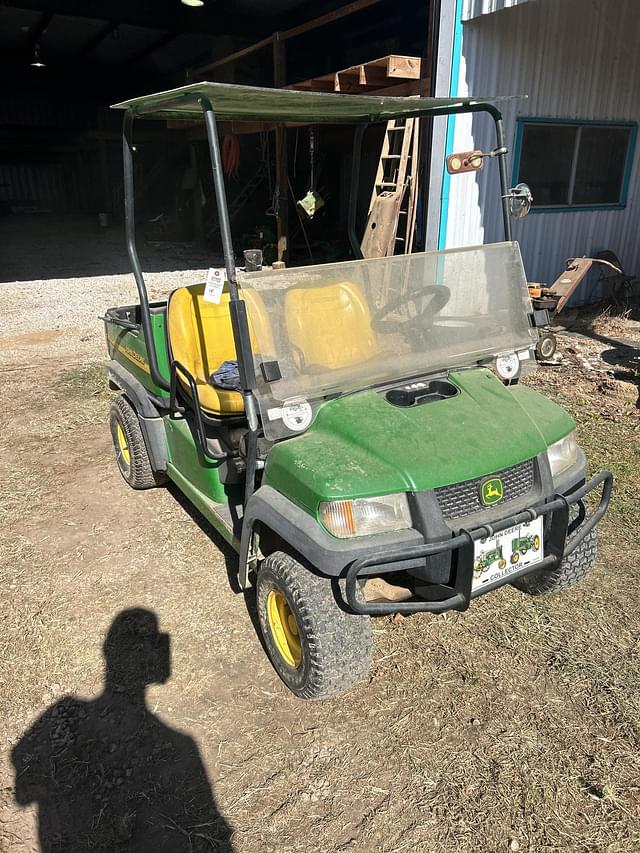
(336,328)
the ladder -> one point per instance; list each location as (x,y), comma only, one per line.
(392,209)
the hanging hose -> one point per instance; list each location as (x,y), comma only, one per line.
(230,155)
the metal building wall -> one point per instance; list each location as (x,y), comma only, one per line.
(475,8)
(39,155)
(575,59)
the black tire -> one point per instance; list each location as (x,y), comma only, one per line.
(546,346)
(335,646)
(571,570)
(133,460)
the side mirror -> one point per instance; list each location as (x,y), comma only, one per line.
(520,201)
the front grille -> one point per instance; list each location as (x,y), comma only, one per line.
(464,498)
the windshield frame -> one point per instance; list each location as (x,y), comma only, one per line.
(331,330)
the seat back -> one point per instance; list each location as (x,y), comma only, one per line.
(330,326)
(201,338)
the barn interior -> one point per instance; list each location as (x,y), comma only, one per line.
(65,62)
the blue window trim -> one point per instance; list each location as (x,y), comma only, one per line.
(579,208)
(456,60)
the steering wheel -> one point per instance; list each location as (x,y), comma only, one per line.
(418,297)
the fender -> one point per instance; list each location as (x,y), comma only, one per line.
(330,556)
(151,423)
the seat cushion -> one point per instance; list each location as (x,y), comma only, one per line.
(330,326)
(201,339)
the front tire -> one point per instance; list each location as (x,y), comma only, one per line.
(318,649)
(131,451)
(571,570)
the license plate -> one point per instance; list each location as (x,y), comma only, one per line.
(507,553)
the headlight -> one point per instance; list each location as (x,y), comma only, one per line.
(563,454)
(363,516)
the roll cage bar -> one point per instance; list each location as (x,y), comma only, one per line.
(237,307)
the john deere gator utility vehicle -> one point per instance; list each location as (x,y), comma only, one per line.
(375,446)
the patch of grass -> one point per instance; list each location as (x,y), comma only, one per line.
(85,382)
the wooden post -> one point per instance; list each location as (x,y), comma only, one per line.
(282,178)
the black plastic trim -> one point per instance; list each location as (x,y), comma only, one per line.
(201,434)
(303,532)
(151,422)
(557,508)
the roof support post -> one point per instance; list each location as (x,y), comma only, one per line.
(282,178)
(221,196)
(504,186)
(356,156)
(130,232)
(237,306)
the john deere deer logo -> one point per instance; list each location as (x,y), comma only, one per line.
(492,491)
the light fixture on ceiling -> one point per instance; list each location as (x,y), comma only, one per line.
(193,3)
(37,61)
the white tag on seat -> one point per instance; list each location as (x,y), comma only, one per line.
(214,285)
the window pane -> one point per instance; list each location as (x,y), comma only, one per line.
(546,160)
(601,163)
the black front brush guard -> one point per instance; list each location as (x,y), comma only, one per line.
(556,546)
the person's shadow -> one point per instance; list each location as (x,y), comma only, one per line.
(107,774)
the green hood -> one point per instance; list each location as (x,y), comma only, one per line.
(361,445)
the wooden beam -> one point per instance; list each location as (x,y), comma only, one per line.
(405,67)
(372,75)
(95,40)
(233,57)
(404,90)
(164,39)
(343,80)
(329,18)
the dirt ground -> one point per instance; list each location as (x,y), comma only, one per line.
(514,726)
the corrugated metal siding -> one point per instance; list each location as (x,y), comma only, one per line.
(475,8)
(39,159)
(575,59)
(39,187)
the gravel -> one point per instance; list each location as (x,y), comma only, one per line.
(62,273)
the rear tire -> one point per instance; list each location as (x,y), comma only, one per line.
(571,570)
(318,649)
(131,451)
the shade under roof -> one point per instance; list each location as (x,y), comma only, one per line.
(252,103)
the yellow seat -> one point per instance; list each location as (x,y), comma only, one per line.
(201,338)
(330,326)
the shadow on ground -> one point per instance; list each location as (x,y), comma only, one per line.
(623,355)
(47,246)
(108,774)
(230,558)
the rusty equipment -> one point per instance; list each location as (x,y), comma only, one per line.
(555,298)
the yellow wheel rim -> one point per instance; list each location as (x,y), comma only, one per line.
(123,447)
(284,628)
